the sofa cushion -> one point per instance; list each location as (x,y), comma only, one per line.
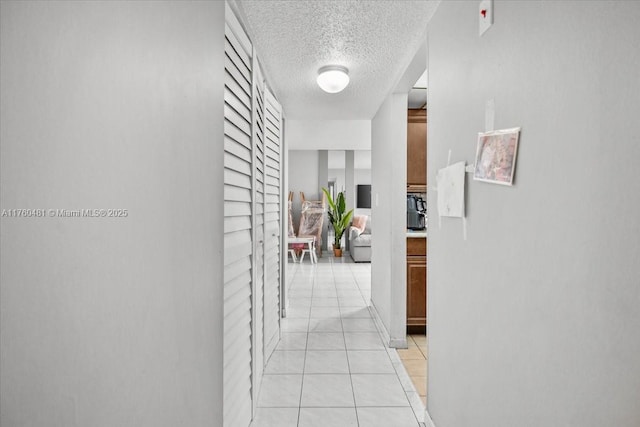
(359,222)
(367,227)
(354,233)
(362,240)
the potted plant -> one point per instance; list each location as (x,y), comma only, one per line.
(339,219)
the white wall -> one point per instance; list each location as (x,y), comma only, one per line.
(388,193)
(362,167)
(362,176)
(534,319)
(338,175)
(112,321)
(303,176)
(388,204)
(329,134)
(337,159)
(362,159)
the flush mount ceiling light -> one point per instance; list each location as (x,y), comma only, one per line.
(333,78)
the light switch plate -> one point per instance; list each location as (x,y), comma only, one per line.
(485,15)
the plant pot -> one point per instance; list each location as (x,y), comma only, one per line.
(337,253)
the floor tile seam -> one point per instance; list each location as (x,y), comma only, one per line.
(379,406)
(375,373)
(353,391)
(423,353)
(304,363)
(403,389)
(279,374)
(304,368)
(397,375)
(327,407)
(413,410)
(280,407)
(326,373)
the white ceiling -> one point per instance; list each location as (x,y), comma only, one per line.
(375,40)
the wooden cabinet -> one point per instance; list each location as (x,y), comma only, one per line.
(416,147)
(416,283)
(416,247)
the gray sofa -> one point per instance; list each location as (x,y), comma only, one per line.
(360,243)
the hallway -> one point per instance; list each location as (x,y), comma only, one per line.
(331,368)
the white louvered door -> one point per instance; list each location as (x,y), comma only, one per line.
(259,235)
(272,166)
(238,221)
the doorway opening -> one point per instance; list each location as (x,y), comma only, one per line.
(414,357)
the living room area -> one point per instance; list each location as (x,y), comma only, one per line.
(344,171)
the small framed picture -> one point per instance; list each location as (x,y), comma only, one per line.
(496,156)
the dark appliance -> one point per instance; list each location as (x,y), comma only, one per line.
(364,196)
(416,212)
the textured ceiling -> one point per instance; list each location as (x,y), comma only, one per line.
(375,40)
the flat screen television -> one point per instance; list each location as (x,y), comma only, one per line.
(363,198)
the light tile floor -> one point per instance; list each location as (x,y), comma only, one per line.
(414,359)
(331,367)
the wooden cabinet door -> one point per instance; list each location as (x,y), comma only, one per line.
(416,291)
(417,147)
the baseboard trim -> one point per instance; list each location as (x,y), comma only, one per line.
(428,422)
(379,324)
(398,343)
(382,330)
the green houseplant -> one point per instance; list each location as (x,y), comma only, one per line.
(339,219)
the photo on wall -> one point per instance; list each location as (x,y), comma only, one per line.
(496,156)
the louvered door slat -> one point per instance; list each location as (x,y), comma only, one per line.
(273,182)
(270,162)
(273,172)
(237,209)
(236,268)
(233,253)
(239,42)
(236,223)
(235,118)
(232,132)
(236,318)
(272,198)
(237,194)
(235,81)
(237,164)
(236,103)
(236,78)
(232,147)
(272,152)
(237,179)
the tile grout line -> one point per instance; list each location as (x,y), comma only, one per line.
(353,391)
(410,381)
(306,346)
